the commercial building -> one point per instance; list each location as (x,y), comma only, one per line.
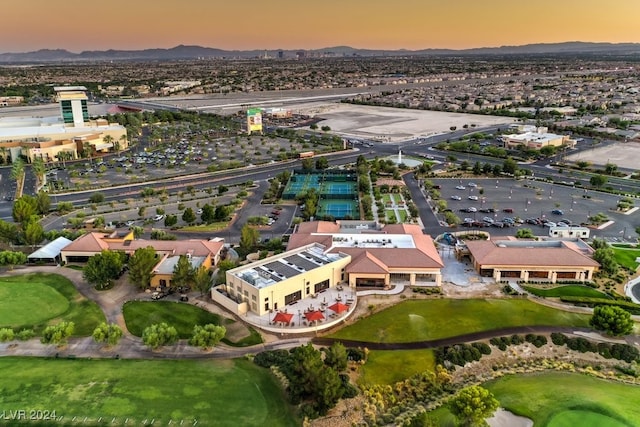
(537,139)
(395,252)
(281,280)
(550,260)
(324,255)
(200,252)
(67,137)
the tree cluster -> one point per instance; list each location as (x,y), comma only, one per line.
(314,383)
(612,320)
(57,334)
(103,268)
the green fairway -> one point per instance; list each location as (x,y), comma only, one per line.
(566,291)
(424,320)
(37,300)
(171,392)
(559,399)
(388,367)
(140,314)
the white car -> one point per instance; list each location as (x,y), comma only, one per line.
(158,218)
(199,212)
(550,224)
(472,184)
(456,198)
(473,197)
(129,223)
(461,187)
(488,220)
(472,209)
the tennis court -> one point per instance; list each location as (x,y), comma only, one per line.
(338,209)
(342,188)
(337,190)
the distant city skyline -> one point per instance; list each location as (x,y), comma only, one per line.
(77,25)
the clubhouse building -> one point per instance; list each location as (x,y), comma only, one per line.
(551,260)
(199,252)
(324,255)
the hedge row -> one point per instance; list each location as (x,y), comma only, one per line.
(607,350)
(461,354)
(591,302)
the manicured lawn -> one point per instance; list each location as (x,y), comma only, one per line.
(388,367)
(627,257)
(171,392)
(558,399)
(390,214)
(386,198)
(423,320)
(34,301)
(140,314)
(403,215)
(564,291)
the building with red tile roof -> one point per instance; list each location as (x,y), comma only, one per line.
(550,260)
(396,252)
(200,252)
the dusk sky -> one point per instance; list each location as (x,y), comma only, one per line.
(78,25)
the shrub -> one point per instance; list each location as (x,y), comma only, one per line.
(6,334)
(558,338)
(25,334)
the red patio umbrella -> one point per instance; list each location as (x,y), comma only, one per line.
(339,307)
(283,317)
(313,316)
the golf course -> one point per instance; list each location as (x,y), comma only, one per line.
(135,392)
(560,399)
(424,320)
(33,301)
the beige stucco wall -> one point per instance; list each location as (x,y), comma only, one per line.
(275,293)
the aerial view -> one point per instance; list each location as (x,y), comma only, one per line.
(344,214)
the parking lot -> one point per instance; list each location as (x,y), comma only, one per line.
(509,203)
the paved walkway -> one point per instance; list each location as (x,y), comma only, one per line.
(130,346)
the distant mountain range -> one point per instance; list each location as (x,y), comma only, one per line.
(194,52)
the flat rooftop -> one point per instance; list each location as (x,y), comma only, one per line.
(369,241)
(285,266)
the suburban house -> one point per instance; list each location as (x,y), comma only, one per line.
(549,260)
(199,252)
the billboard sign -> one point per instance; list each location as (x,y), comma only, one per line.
(254,120)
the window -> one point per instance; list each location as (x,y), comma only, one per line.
(253,298)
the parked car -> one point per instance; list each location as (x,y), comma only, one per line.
(456,198)
(158,218)
(472,209)
(472,184)
(460,187)
(488,220)
(507,210)
(473,197)
(557,212)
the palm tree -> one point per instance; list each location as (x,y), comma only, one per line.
(39,170)
(123,142)
(3,151)
(17,174)
(108,139)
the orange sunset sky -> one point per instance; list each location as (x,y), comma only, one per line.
(78,25)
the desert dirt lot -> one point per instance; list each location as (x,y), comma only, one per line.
(394,124)
(625,155)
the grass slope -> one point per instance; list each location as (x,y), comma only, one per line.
(626,257)
(389,367)
(221,393)
(555,399)
(140,314)
(37,300)
(566,291)
(424,320)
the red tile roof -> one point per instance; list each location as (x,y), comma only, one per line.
(490,253)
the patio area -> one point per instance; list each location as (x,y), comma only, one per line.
(314,313)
